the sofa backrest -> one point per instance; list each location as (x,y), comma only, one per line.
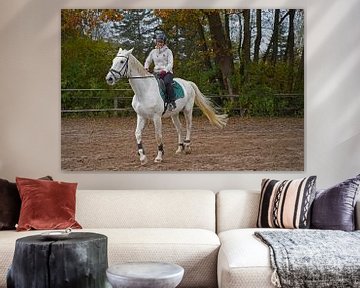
(236,209)
(146,209)
(239,209)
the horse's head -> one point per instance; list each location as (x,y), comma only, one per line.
(119,67)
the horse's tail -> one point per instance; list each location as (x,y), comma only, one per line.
(207,107)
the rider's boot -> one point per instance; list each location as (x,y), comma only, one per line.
(171,95)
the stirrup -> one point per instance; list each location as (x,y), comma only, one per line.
(171,106)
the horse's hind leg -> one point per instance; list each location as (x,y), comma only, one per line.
(141,121)
(158,135)
(177,124)
(188,120)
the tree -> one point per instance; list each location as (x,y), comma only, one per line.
(223,53)
(275,37)
(274,42)
(299,50)
(203,45)
(245,51)
(239,14)
(186,34)
(289,53)
(136,29)
(258,35)
(227,30)
(86,22)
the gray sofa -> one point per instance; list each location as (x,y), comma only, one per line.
(210,235)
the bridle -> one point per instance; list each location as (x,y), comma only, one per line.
(124,69)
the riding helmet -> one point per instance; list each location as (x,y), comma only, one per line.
(160,36)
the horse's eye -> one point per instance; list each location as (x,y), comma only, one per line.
(122,61)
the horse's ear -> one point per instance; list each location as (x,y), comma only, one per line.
(120,49)
(130,51)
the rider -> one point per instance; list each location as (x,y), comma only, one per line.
(163,61)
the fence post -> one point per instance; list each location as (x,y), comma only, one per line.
(116,106)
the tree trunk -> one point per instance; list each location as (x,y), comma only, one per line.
(245,51)
(223,54)
(274,42)
(275,49)
(203,45)
(300,73)
(258,36)
(79,261)
(247,37)
(240,35)
(289,54)
(227,36)
(273,45)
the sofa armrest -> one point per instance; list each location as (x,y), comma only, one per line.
(357,215)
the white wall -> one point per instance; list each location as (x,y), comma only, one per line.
(30,95)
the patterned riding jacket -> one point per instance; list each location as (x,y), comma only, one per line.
(163,59)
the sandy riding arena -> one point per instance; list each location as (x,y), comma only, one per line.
(252,144)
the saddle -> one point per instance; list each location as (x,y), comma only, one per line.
(178,91)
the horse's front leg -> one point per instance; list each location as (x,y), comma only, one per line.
(158,136)
(141,121)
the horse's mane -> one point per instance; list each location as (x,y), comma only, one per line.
(139,68)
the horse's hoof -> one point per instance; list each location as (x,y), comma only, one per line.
(178,151)
(188,150)
(158,160)
(143,161)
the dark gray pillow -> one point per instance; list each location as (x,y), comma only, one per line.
(334,208)
(10,204)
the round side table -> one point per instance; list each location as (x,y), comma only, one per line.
(78,261)
(145,275)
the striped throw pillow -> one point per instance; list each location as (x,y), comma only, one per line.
(286,204)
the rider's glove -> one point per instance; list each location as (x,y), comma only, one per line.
(162,73)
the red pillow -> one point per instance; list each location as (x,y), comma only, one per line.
(46,204)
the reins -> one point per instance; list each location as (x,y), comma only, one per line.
(136,77)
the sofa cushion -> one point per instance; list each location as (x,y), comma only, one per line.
(46,204)
(244,260)
(334,208)
(286,204)
(196,250)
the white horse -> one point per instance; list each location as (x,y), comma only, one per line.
(148,104)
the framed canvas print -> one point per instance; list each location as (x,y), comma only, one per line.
(182,89)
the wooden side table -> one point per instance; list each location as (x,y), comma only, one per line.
(145,275)
(80,261)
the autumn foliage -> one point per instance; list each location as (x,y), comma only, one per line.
(253,55)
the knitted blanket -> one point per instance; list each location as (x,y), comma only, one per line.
(313,258)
